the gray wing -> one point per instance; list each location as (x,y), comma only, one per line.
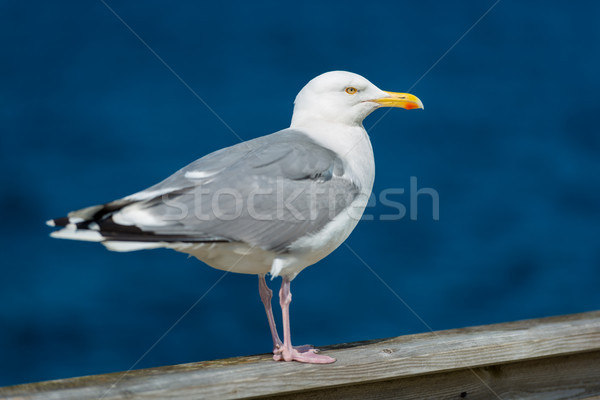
(289,153)
(267,192)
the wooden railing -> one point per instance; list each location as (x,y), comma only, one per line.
(550,358)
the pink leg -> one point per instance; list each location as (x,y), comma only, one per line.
(286,352)
(266,295)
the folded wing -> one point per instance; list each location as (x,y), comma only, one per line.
(267,192)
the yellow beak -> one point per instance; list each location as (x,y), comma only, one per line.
(402,100)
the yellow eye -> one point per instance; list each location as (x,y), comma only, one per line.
(351,90)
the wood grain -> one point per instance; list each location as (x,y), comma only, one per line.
(550,358)
(554,378)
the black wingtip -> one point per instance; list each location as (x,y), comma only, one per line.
(58,222)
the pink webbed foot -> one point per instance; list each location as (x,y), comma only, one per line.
(305,354)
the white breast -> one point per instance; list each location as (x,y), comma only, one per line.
(352,144)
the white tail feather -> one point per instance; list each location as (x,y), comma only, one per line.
(114,245)
(70,232)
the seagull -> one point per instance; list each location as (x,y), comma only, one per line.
(271,205)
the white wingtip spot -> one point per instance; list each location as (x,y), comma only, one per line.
(138,216)
(51,223)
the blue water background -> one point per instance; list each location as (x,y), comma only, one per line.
(509,139)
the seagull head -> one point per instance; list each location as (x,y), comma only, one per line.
(344,98)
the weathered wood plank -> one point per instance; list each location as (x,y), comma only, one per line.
(495,353)
(555,378)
